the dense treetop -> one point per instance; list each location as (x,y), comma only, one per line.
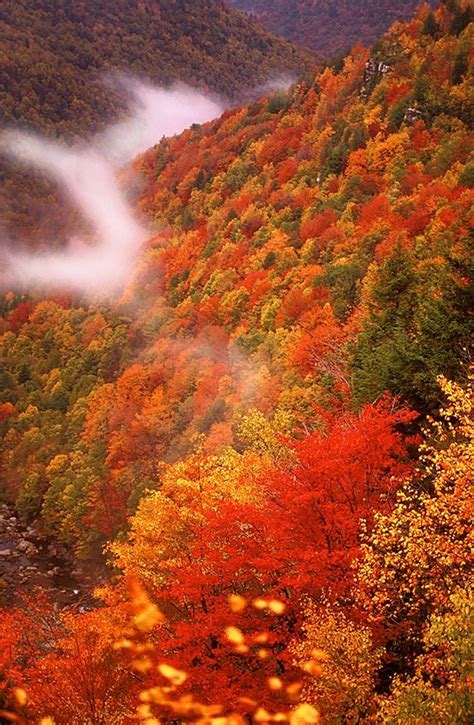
(337,212)
(277,408)
(313,249)
(329,26)
(55,56)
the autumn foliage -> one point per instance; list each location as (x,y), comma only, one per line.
(268,437)
(328,27)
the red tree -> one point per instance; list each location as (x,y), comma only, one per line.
(299,539)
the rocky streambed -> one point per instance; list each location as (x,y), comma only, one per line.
(30,560)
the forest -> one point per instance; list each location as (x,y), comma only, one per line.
(267,439)
(329,27)
(59,60)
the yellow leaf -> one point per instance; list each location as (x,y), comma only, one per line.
(304,714)
(274,683)
(235,636)
(177,677)
(276,607)
(237,603)
(20,696)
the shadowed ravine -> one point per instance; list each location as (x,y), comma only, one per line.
(30,561)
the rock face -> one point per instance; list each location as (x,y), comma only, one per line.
(26,547)
(28,560)
(374,70)
(412,115)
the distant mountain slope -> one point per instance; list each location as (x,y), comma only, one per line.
(235,423)
(343,203)
(54,51)
(54,54)
(329,27)
(311,247)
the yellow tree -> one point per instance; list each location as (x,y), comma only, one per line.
(163,530)
(419,556)
(343,664)
(441,688)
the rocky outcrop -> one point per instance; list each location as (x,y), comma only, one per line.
(28,560)
(374,71)
(412,115)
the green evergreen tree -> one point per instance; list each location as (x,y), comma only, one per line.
(430,26)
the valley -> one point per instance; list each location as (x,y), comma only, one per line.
(236,408)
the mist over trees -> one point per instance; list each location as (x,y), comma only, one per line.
(56,57)
(267,436)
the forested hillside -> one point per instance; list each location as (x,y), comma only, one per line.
(56,55)
(330,27)
(271,430)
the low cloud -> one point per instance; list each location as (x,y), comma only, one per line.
(87,172)
(155,112)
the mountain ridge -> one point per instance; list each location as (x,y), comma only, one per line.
(269,435)
(312,244)
(56,56)
(329,28)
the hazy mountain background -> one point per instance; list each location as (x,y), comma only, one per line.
(329,26)
(270,406)
(55,54)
